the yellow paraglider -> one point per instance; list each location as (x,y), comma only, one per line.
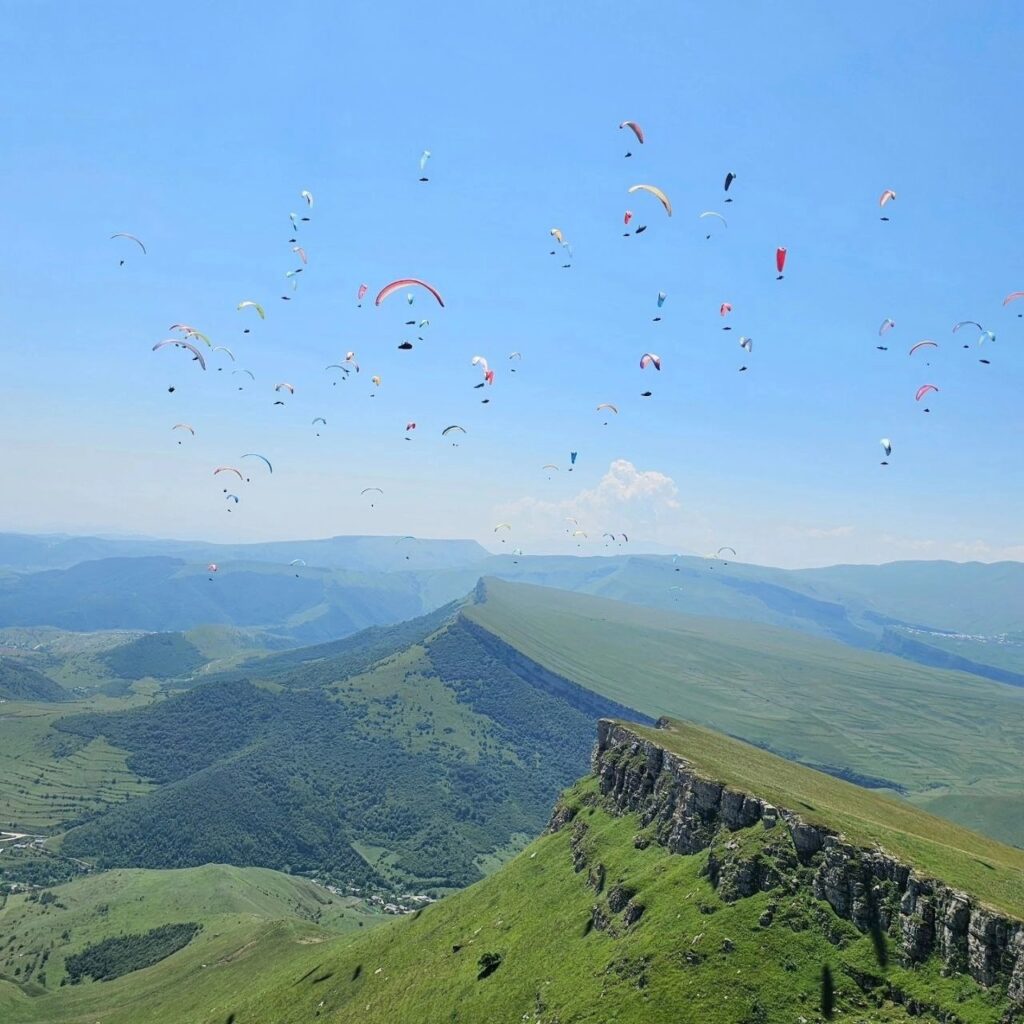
(657,193)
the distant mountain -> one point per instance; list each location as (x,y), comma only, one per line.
(168,594)
(943,614)
(31,552)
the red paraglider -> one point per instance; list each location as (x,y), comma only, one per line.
(923,390)
(406,282)
(780,260)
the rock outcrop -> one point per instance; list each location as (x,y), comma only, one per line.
(686,813)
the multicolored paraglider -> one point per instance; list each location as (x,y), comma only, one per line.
(650,359)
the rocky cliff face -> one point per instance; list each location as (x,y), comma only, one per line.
(868,887)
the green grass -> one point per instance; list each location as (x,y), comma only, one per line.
(242,910)
(932,732)
(534,914)
(47,779)
(991,871)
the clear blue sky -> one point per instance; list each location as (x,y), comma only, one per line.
(196,129)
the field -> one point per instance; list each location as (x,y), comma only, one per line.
(250,918)
(879,719)
(48,778)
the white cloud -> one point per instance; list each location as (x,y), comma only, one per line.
(625,500)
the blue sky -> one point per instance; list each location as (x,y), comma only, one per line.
(197,129)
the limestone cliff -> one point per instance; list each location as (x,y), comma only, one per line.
(874,890)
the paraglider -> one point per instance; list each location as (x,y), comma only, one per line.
(656,192)
(297,561)
(636,130)
(307,195)
(410,426)
(406,282)
(550,465)
(249,304)
(923,390)
(224,348)
(608,405)
(989,335)
(350,357)
(319,419)
(1013,297)
(301,253)
(886,197)
(361,292)
(375,380)
(252,376)
(123,234)
(963,323)
(229,469)
(888,325)
(184,426)
(371,490)
(726,548)
(886,445)
(650,359)
(424,157)
(182,344)
(661,299)
(780,261)
(453,427)
(922,344)
(254,455)
(191,332)
(747,343)
(712,213)
(212,567)
(725,309)
(232,497)
(729,179)
(627,217)
(285,386)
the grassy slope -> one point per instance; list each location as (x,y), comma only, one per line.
(46,779)
(937,733)
(534,913)
(247,913)
(966,860)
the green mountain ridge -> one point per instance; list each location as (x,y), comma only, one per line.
(947,739)
(410,755)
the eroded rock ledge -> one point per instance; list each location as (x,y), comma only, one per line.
(868,887)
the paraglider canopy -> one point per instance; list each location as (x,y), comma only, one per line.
(635,128)
(406,282)
(656,192)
